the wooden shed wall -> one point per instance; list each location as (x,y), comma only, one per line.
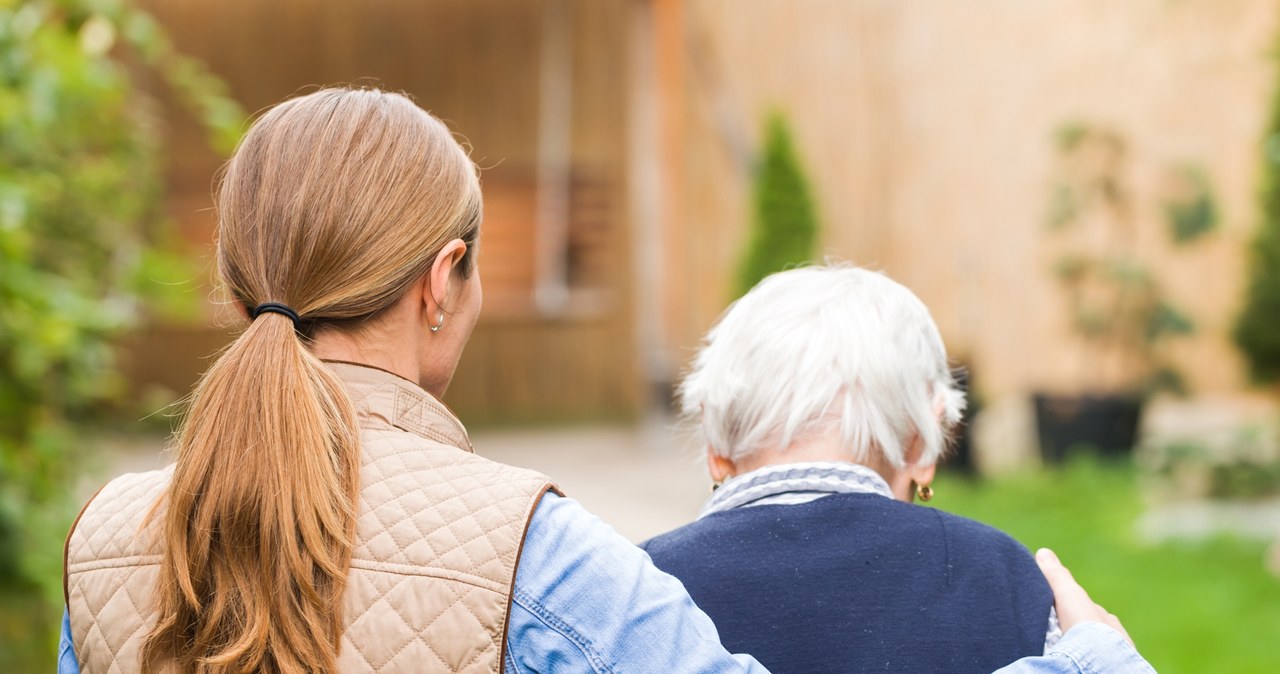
(475,64)
(927,129)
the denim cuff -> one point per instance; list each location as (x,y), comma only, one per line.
(1095,648)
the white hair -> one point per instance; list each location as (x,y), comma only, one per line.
(823,347)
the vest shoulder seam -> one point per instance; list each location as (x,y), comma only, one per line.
(427,572)
(112,563)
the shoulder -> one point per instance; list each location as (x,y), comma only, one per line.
(588,600)
(395,463)
(560,525)
(125,498)
(992,562)
(426,503)
(675,539)
(871,515)
(962,534)
(107,526)
(975,536)
(567,549)
(135,484)
(570,558)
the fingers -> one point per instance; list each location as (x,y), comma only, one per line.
(1067,593)
(1072,602)
(1059,576)
(1110,620)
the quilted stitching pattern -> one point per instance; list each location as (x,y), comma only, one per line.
(111,575)
(437,540)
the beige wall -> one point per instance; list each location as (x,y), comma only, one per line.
(927,128)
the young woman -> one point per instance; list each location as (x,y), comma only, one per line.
(325,512)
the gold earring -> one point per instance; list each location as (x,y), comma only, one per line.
(924,491)
(439,324)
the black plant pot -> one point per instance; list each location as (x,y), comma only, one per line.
(1106,424)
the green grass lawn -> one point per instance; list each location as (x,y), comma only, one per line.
(1191,608)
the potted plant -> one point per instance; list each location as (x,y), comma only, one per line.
(1115,303)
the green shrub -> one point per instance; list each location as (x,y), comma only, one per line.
(80,217)
(784,227)
(1257,330)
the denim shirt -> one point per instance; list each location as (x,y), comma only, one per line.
(587,600)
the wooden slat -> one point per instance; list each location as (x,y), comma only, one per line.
(474,64)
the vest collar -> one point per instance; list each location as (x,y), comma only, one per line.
(378,394)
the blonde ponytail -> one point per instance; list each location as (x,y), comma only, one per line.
(333,205)
(260,520)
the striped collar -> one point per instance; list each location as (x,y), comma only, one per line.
(792,483)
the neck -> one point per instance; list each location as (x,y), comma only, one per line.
(798,452)
(375,348)
(825,447)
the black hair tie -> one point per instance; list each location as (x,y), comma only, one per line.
(276,308)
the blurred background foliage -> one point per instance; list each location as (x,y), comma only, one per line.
(1258,327)
(82,246)
(1115,300)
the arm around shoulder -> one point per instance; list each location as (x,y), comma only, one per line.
(588,600)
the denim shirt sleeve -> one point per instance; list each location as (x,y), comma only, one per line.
(1088,648)
(67,662)
(587,600)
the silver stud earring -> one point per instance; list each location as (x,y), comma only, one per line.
(439,323)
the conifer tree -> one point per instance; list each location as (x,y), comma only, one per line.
(784,226)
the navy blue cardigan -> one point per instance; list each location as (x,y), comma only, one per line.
(860,582)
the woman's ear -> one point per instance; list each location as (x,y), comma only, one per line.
(438,291)
(914,474)
(718,467)
(922,474)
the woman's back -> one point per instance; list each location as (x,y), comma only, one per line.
(325,512)
(437,536)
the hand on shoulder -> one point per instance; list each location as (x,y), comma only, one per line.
(1071,600)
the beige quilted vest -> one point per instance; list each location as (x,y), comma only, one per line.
(437,541)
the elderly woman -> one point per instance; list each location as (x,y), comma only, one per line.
(825,400)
